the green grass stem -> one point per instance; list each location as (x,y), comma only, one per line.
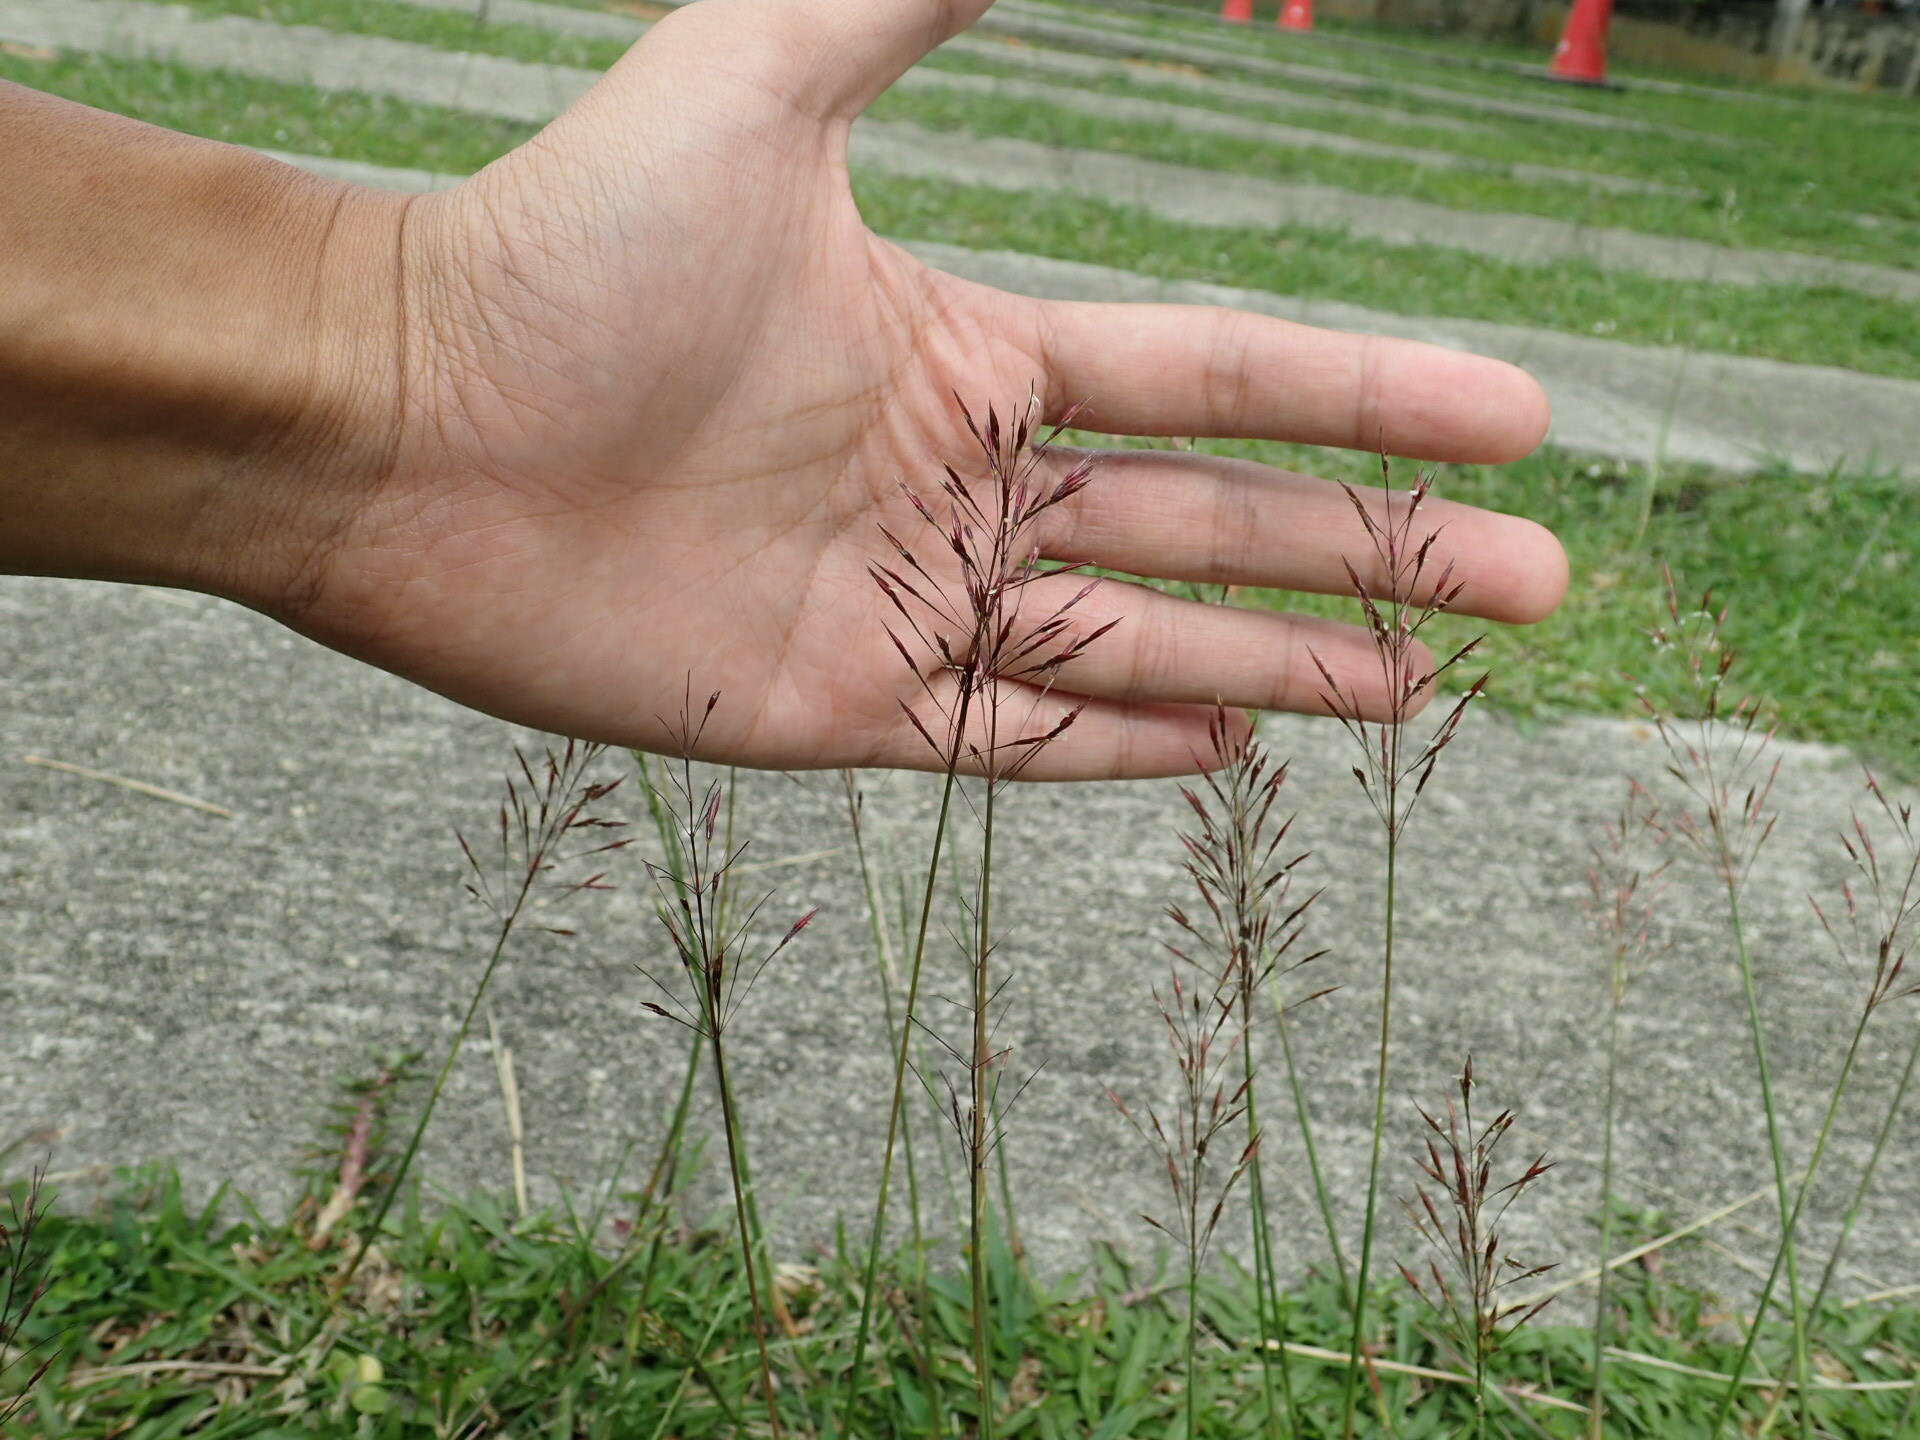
(1777,1150)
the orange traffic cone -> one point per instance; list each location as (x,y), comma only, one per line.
(1296,15)
(1238,11)
(1581,55)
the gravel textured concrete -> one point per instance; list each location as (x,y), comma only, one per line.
(184,987)
(490,85)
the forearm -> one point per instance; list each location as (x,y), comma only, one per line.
(198,353)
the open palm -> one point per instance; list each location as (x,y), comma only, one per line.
(662,386)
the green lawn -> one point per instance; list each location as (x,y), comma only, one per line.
(1838,151)
(444,29)
(472,1315)
(1751,195)
(272,115)
(1821,326)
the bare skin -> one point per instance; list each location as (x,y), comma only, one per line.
(625,411)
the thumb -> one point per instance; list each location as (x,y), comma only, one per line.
(841,54)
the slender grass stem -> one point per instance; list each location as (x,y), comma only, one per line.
(667,1162)
(1597,1407)
(1193,1320)
(1777,1149)
(1303,1118)
(1479,1388)
(1860,1190)
(372,1228)
(1357,1350)
(900,1054)
(877,926)
(897,1036)
(1268,1301)
(750,1248)
(1792,1223)
(982,1100)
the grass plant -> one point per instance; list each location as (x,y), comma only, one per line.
(1883,941)
(471,1321)
(526,869)
(981,664)
(1244,932)
(22,1284)
(1204,1034)
(1881,907)
(1623,889)
(1398,603)
(1721,755)
(1468,1293)
(709,939)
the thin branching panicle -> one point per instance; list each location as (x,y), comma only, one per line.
(1872,933)
(548,847)
(1199,1152)
(1720,752)
(1393,773)
(1468,1273)
(1394,770)
(23,1282)
(711,936)
(1247,931)
(975,651)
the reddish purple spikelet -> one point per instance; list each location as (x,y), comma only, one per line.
(1720,753)
(23,1283)
(695,901)
(1878,928)
(1235,861)
(536,820)
(970,616)
(1468,1294)
(1625,881)
(1395,614)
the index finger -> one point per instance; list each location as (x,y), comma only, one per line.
(1152,369)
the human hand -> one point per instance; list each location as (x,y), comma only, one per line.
(661,386)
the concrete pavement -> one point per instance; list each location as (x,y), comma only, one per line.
(179,986)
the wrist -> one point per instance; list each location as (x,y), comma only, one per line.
(198,355)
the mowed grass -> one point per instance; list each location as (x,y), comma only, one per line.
(1824,326)
(272,115)
(1744,201)
(166,1318)
(1839,152)
(442,29)
(1506,68)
